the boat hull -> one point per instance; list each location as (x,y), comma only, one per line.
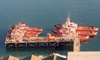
(81,28)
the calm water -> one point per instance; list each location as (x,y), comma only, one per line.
(45,14)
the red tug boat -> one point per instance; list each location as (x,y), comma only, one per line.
(23,31)
(80,28)
(70,28)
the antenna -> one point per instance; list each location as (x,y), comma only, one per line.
(19,21)
(22,19)
(8,30)
(69,14)
(10,27)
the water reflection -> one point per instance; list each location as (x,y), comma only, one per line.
(86,41)
(93,37)
(40,50)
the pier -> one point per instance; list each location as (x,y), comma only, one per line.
(37,42)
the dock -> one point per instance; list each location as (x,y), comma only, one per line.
(40,42)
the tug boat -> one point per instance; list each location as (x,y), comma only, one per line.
(70,28)
(23,31)
(81,28)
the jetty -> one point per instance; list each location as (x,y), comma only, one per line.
(40,41)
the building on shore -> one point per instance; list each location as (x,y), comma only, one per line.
(56,56)
(10,58)
(84,55)
(32,57)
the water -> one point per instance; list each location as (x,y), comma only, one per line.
(45,14)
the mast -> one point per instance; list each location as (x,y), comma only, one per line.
(10,27)
(69,15)
(67,20)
